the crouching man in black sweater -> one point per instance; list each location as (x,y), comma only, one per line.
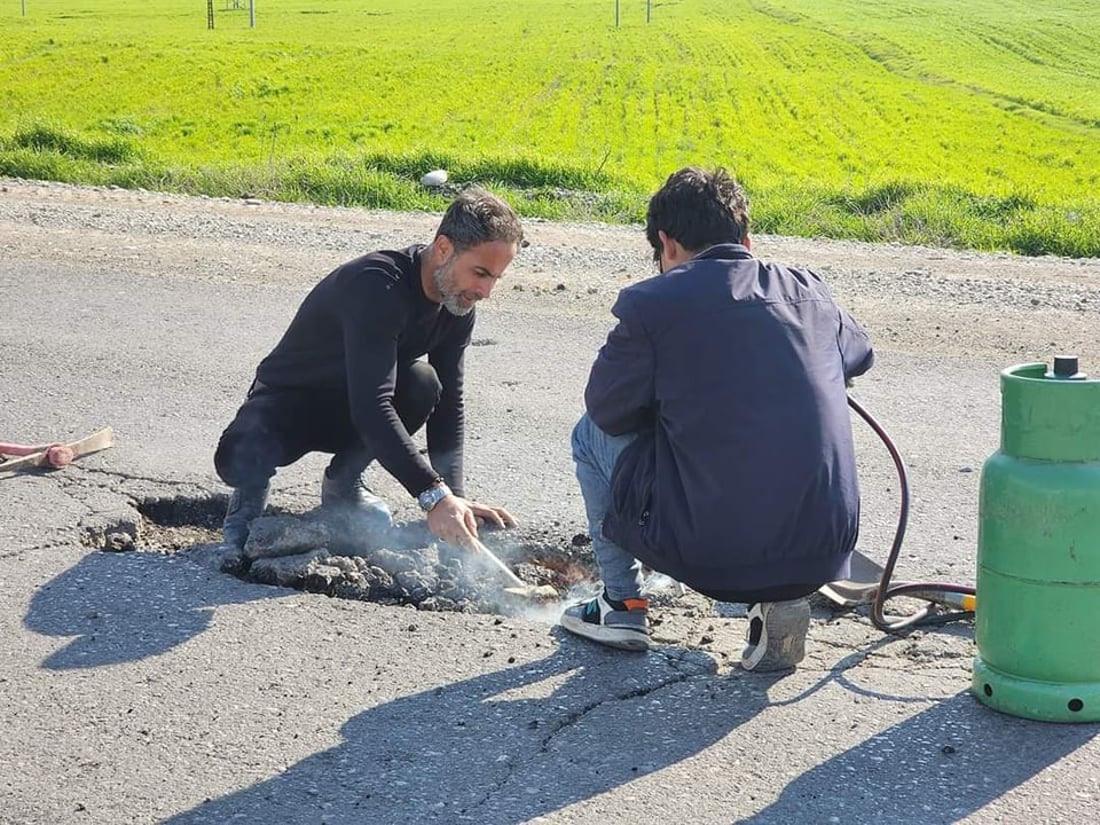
(348,377)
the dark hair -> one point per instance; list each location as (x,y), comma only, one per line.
(477,217)
(698,209)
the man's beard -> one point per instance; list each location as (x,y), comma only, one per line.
(450,296)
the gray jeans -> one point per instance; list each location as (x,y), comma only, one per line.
(595,453)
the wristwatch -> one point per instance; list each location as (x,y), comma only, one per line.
(433,495)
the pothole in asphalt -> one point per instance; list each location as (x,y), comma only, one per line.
(180,522)
(348,555)
(334,555)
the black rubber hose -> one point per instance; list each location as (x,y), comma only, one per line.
(936,593)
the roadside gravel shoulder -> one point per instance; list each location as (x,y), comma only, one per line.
(994,306)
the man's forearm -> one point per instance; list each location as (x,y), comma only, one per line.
(620,394)
(612,400)
(449,467)
(392,447)
(446,431)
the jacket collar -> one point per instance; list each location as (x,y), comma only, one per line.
(724,251)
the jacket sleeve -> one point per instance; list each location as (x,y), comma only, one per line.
(620,396)
(855,346)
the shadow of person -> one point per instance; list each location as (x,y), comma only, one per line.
(507,746)
(938,766)
(123,607)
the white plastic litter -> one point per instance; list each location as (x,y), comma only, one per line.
(437,177)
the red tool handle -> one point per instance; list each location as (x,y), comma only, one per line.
(57,455)
(22,449)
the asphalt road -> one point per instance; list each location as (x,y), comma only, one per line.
(141,687)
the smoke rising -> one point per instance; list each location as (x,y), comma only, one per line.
(352,554)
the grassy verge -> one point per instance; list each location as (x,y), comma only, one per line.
(911,213)
(969,125)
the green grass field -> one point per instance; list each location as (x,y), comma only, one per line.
(974,125)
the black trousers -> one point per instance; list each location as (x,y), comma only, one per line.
(276,427)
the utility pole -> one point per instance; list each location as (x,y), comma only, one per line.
(252,14)
(648,7)
(209,14)
(616,14)
(23,3)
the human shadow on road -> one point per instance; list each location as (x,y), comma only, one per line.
(507,746)
(123,607)
(938,766)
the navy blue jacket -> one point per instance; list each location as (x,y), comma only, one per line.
(732,370)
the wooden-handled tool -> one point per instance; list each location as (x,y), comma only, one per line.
(53,455)
(536,592)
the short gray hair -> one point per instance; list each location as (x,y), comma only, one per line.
(477,217)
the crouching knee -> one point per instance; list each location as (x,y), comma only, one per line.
(243,459)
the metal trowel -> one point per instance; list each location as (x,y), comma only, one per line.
(860,586)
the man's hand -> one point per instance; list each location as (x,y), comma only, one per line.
(490,512)
(455,520)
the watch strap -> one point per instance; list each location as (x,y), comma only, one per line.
(433,495)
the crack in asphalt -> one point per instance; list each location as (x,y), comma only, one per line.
(125,476)
(571,719)
(72,488)
(903,657)
(635,693)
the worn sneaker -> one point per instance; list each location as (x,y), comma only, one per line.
(777,635)
(616,624)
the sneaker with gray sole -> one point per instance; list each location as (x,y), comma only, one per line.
(776,636)
(623,625)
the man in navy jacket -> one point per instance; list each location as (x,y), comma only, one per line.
(717,446)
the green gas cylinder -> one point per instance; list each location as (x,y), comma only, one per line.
(1037,624)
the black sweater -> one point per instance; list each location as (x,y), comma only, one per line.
(349,335)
